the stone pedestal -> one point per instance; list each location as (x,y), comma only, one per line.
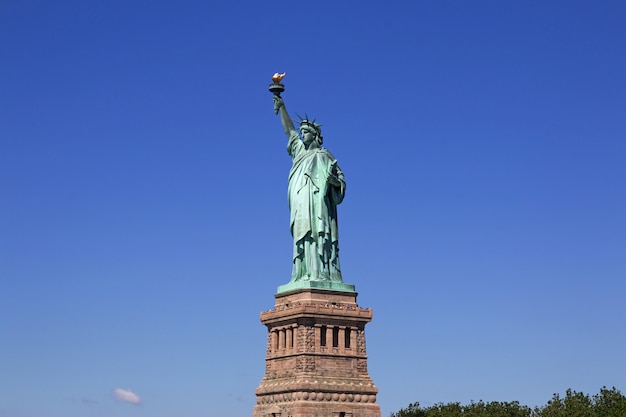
(316,365)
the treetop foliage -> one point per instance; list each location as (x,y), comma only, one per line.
(607,403)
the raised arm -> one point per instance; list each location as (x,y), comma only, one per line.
(279,108)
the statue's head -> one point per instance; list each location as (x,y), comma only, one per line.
(309,128)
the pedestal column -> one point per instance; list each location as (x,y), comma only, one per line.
(307,379)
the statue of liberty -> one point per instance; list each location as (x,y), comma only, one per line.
(316,187)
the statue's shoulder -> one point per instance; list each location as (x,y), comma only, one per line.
(327,152)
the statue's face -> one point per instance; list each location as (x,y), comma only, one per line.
(308,134)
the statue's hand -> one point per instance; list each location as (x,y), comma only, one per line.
(333,180)
(278,103)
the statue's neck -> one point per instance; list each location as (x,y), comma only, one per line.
(312,146)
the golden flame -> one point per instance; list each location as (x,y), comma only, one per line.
(278,77)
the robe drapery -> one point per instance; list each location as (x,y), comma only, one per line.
(313,204)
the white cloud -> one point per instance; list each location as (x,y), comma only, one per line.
(126,396)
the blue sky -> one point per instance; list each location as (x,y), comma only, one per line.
(145,219)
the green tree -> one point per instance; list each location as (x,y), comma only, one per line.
(474,409)
(609,403)
(575,404)
(445,410)
(507,409)
(413,410)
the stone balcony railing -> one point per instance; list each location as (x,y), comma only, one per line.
(299,308)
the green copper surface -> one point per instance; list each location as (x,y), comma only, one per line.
(323,285)
(316,187)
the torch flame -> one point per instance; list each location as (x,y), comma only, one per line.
(278,77)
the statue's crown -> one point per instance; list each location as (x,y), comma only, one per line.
(306,121)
